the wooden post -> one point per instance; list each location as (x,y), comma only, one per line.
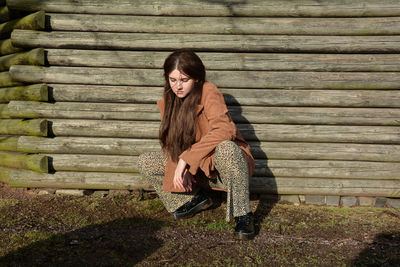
(232,79)
(207,42)
(33,57)
(35,127)
(6,47)
(6,80)
(280,185)
(229,60)
(225,25)
(243,114)
(33,21)
(35,92)
(259,8)
(9,143)
(260,150)
(38,163)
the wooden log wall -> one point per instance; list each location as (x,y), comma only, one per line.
(11,128)
(312,85)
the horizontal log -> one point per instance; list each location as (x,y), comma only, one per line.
(7,81)
(4,174)
(79,180)
(327,169)
(35,92)
(261,150)
(35,127)
(87,145)
(6,47)
(33,57)
(8,143)
(257,8)
(258,97)
(245,114)
(265,168)
(228,61)
(5,112)
(35,21)
(225,25)
(255,132)
(206,42)
(94,163)
(323,186)
(38,163)
(280,185)
(234,79)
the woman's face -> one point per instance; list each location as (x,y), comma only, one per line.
(180,83)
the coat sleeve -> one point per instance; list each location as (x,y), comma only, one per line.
(221,128)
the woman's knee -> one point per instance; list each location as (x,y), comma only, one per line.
(226,149)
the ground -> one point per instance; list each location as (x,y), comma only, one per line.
(125,230)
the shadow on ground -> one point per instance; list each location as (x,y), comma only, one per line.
(383,251)
(119,242)
(267,183)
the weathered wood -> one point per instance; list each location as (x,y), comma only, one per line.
(206,42)
(257,132)
(88,145)
(245,114)
(35,127)
(38,163)
(280,185)
(33,57)
(257,8)
(243,97)
(327,169)
(7,81)
(35,92)
(264,168)
(261,150)
(35,21)
(4,174)
(5,14)
(234,79)
(4,112)
(225,25)
(323,186)
(8,143)
(6,47)
(96,163)
(80,180)
(229,61)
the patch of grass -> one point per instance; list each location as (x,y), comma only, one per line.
(218,225)
(8,203)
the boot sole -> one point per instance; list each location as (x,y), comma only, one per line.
(196,209)
(243,236)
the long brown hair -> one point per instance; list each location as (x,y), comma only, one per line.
(178,125)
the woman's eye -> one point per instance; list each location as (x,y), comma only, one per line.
(185,80)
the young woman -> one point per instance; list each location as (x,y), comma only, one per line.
(201,147)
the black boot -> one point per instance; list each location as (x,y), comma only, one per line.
(245,226)
(198,203)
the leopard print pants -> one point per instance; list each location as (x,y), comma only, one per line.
(233,176)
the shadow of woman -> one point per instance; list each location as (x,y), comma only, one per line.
(119,242)
(384,251)
(263,180)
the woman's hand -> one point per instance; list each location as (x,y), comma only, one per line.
(183,179)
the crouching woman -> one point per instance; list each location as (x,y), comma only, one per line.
(200,145)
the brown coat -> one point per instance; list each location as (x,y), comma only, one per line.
(214,126)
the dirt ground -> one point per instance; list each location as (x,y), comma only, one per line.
(124,230)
